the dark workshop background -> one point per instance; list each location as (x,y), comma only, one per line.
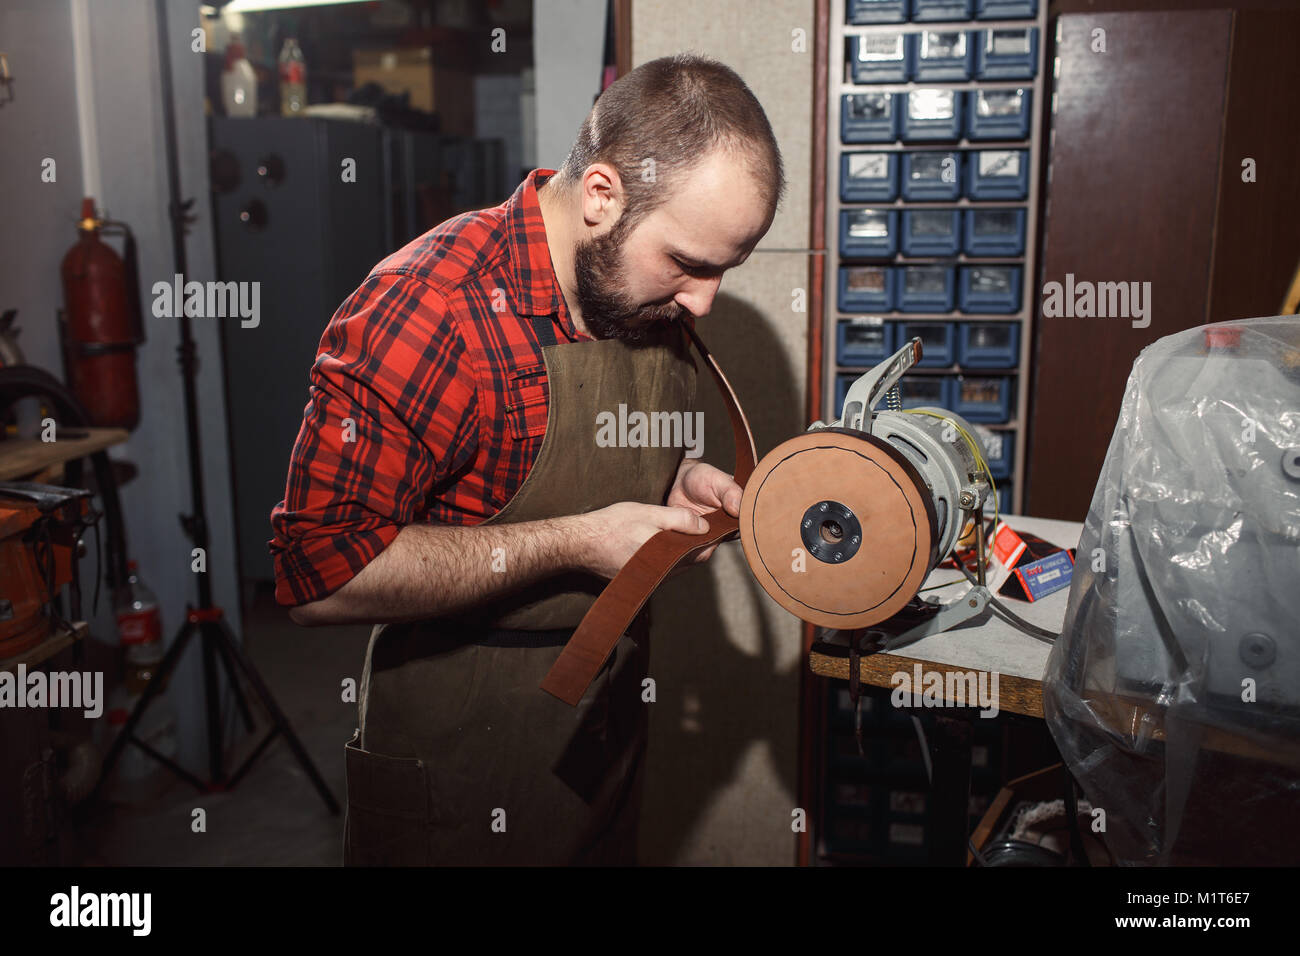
(1142,182)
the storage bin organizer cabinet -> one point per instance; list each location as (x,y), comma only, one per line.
(933,160)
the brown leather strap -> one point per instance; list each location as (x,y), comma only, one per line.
(612,613)
(746,454)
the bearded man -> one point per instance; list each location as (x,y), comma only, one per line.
(447,485)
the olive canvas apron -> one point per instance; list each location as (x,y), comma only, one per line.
(460,758)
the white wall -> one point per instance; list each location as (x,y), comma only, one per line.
(568,46)
(37,225)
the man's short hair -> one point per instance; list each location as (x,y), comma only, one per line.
(674,111)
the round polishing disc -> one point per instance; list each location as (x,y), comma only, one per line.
(838,528)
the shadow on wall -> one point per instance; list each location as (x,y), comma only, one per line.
(718,643)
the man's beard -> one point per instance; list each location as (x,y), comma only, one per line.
(607,310)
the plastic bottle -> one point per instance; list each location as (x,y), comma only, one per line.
(137,777)
(138,620)
(293,79)
(139,629)
(238,82)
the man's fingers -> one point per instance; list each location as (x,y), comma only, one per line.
(687,521)
(731,501)
(725,489)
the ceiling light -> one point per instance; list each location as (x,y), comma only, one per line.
(254,6)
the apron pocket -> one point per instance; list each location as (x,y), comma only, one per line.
(388,809)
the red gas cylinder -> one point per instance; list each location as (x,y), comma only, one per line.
(100,337)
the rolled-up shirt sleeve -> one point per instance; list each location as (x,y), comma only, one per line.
(392,412)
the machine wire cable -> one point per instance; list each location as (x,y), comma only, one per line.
(1012,618)
(975,450)
(997,606)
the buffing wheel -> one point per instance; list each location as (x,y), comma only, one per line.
(838,528)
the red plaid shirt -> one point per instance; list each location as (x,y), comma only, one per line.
(437,367)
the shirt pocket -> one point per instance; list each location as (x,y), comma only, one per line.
(527,399)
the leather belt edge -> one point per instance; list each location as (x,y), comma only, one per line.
(625,595)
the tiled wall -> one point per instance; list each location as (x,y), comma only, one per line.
(723,746)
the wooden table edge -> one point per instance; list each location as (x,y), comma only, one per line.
(49,646)
(33,459)
(1019,695)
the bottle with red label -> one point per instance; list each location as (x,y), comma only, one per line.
(139,628)
(238,82)
(136,777)
(293,79)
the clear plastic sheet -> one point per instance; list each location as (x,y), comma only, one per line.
(1173,692)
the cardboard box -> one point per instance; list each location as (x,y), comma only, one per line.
(1027,567)
(431,85)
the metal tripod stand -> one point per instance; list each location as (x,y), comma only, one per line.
(206,620)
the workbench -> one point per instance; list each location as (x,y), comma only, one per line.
(59,462)
(985,645)
(59,639)
(28,459)
(28,753)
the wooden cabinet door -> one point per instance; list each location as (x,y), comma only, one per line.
(1132,193)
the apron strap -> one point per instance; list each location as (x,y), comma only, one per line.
(544,328)
(612,613)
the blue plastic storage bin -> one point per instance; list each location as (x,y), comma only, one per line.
(1004,498)
(999,451)
(994,232)
(938,342)
(880,58)
(930,232)
(988,344)
(918,390)
(943,55)
(1005,9)
(985,399)
(863,343)
(871,117)
(931,176)
(842,383)
(869,177)
(866,288)
(864,12)
(925,289)
(999,114)
(990,289)
(868,233)
(1006,53)
(928,11)
(933,114)
(997,174)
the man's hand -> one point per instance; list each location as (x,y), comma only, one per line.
(612,535)
(701,488)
